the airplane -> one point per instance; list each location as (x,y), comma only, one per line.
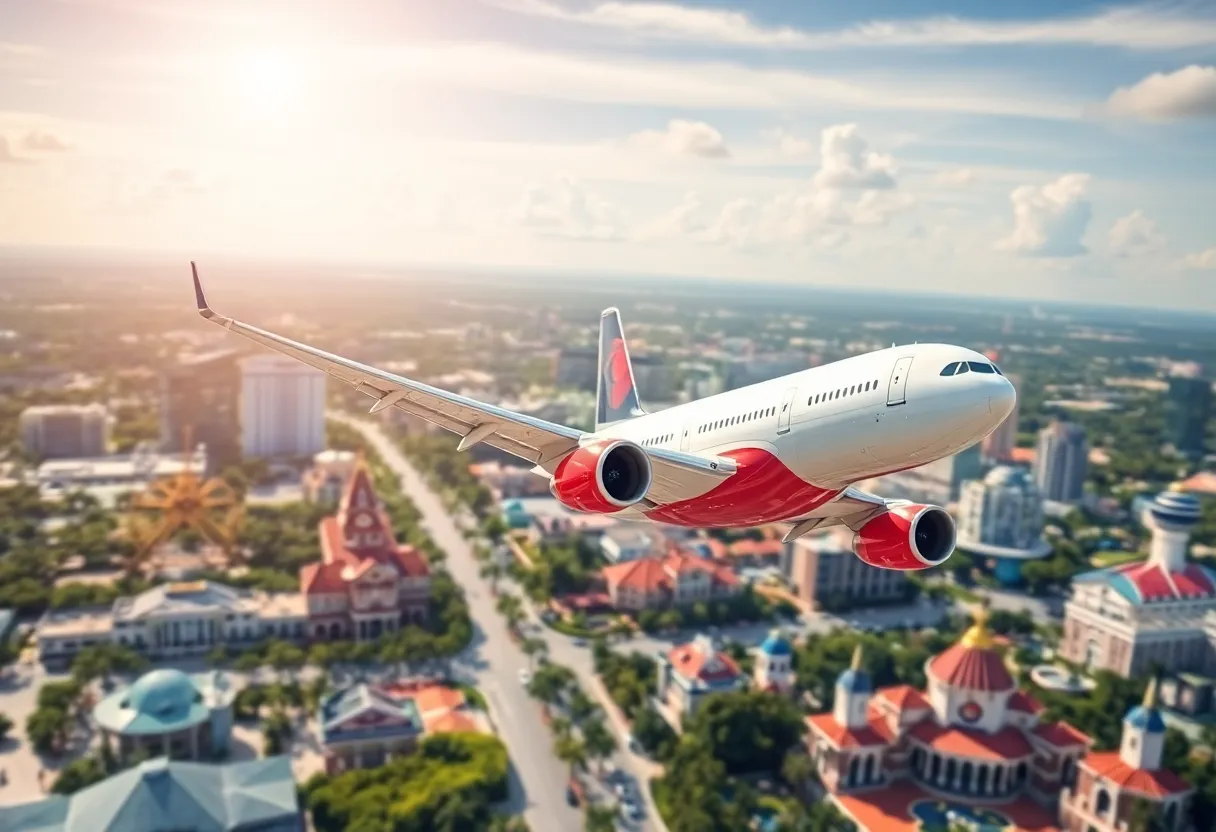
(789,450)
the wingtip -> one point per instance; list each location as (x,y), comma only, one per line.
(199,298)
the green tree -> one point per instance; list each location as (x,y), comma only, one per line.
(600,819)
(598,740)
(748,731)
(571,751)
(6,725)
(79,774)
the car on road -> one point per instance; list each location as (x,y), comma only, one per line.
(579,642)
(524,676)
(631,810)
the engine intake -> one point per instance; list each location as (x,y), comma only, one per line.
(906,537)
(602,477)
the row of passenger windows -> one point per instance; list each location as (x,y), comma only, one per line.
(832,395)
(960,367)
(658,440)
(737,420)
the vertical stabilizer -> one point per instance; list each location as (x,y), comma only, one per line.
(616,394)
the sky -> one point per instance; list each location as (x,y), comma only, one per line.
(1043,149)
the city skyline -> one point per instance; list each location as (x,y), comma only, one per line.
(1056,152)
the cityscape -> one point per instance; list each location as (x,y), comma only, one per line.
(607,415)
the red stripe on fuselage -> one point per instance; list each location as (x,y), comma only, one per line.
(762,490)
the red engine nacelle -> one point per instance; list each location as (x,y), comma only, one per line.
(906,537)
(602,477)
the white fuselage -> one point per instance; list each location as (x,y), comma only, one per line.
(844,422)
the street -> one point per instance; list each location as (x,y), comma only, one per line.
(492,662)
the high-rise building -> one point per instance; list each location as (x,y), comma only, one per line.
(939,482)
(998,446)
(1188,408)
(66,430)
(1001,518)
(282,407)
(200,401)
(1061,462)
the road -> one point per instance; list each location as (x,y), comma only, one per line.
(492,662)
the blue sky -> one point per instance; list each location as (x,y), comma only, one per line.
(1032,149)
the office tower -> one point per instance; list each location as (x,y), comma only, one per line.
(282,407)
(1000,518)
(1188,407)
(828,576)
(1060,462)
(66,430)
(200,396)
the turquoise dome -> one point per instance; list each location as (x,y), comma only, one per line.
(160,692)
(776,645)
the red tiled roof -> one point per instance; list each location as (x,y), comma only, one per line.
(643,574)
(904,697)
(1024,702)
(321,578)
(689,661)
(841,737)
(1006,744)
(971,668)
(1062,735)
(1159,783)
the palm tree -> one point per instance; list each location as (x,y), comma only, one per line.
(572,752)
(581,707)
(491,572)
(599,741)
(535,648)
(600,819)
(511,608)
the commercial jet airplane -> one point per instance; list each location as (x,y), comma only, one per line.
(787,450)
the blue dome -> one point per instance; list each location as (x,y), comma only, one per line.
(1176,508)
(777,645)
(1146,719)
(855,681)
(163,691)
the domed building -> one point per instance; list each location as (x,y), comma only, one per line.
(774,669)
(1111,783)
(1000,518)
(1151,613)
(970,745)
(166,713)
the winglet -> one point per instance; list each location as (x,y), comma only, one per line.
(199,298)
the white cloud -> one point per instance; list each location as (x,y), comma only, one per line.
(1148,28)
(1050,220)
(1187,93)
(1201,261)
(596,78)
(570,211)
(43,141)
(686,219)
(846,161)
(955,178)
(7,156)
(790,145)
(683,138)
(1134,235)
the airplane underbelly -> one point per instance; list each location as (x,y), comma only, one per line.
(835,450)
(763,490)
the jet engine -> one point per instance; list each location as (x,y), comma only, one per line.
(603,477)
(906,537)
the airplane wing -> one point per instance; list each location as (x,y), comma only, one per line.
(531,439)
(852,508)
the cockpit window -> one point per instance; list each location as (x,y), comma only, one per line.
(950,368)
(962,368)
(998,370)
(981,367)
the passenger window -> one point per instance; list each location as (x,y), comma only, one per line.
(950,368)
(980,367)
(853,389)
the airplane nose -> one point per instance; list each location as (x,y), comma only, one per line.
(1002,400)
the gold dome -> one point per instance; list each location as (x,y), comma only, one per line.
(978,637)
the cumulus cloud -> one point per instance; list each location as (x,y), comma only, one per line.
(1134,235)
(1187,93)
(846,161)
(1201,261)
(686,219)
(791,145)
(1050,220)
(569,211)
(955,178)
(42,141)
(683,138)
(1147,27)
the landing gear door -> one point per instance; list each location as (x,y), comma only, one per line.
(899,381)
(787,410)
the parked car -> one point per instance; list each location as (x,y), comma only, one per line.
(524,676)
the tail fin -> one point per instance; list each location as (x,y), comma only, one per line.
(616,395)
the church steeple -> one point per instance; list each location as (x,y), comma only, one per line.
(359,512)
(853,689)
(1144,733)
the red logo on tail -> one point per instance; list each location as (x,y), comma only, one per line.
(616,374)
